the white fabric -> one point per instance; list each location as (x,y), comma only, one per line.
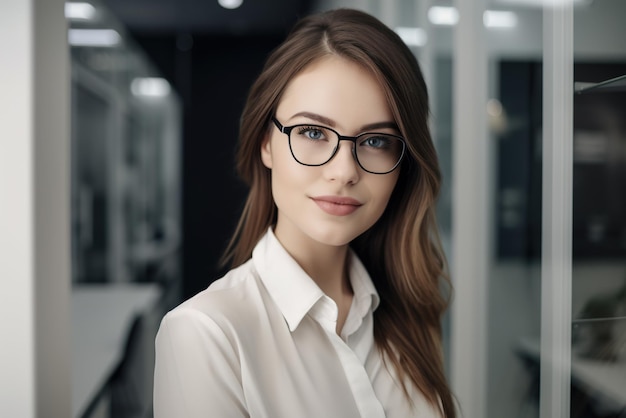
(261,342)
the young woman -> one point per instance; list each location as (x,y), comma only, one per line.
(334,303)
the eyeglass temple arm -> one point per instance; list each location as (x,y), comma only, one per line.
(280,127)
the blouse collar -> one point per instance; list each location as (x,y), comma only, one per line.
(294,292)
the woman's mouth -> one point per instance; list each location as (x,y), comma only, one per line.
(337,205)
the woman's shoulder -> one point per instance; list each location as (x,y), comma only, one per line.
(230,303)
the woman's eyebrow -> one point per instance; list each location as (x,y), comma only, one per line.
(380,125)
(331,123)
(318,118)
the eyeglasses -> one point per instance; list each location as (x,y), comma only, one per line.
(314,145)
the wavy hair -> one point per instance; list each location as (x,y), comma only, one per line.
(401,251)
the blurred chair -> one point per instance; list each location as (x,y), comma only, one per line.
(131,383)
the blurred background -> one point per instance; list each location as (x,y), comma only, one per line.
(157,87)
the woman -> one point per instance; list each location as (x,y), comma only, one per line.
(333,305)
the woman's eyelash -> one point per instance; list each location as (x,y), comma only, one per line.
(303,129)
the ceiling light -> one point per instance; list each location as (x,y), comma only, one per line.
(230,4)
(499,19)
(439,15)
(79,11)
(93,37)
(412,36)
(150,87)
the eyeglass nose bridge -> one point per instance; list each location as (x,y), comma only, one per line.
(352,139)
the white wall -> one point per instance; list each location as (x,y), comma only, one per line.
(17,380)
(34,210)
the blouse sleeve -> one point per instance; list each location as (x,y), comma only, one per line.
(197,370)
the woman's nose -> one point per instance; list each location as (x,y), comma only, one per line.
(343,167)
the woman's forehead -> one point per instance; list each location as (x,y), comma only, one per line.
(338,89)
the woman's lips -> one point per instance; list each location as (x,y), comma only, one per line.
(337,205)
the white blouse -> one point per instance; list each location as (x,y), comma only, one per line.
(261,342)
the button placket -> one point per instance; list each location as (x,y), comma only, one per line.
(325,313)
(364,396)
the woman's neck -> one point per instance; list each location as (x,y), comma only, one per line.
(327,265)
(330,271)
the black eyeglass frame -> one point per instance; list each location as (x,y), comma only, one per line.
(287,131)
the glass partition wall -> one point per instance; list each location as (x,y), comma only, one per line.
(598,365)
(126,137)
(555,306)
(513,37)
(556,284)
(125,213)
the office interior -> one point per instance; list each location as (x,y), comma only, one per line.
(528,102)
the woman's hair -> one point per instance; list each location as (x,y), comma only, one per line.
(402,250)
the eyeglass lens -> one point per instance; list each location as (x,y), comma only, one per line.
(316,145)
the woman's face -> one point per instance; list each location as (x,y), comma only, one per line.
(333,203)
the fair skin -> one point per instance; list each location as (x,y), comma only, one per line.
(340,94)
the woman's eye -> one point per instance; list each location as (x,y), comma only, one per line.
(312,133)
(376,142)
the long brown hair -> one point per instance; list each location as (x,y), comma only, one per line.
(401,251)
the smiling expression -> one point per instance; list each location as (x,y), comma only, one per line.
(336,202)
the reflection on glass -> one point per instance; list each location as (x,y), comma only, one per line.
(599,245)
(125,141)
(599,225)
(91,195)
(514,115)
(599,204)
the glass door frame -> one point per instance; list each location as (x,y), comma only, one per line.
(556,256)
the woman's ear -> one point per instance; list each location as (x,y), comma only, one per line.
(266,152)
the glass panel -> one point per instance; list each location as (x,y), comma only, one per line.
(125,213)
(436,62)
(125,159)
(91,194)
(599,205)
(514,117)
